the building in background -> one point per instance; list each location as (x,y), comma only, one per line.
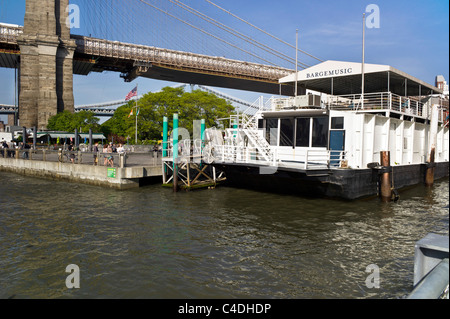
(442,84)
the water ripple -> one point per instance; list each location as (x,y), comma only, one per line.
(222,243)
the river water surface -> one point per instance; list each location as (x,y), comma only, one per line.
(221,243)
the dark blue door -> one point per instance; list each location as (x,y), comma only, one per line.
(337,140)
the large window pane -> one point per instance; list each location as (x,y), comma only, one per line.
(320,132)
(272,131)
(287,132)
(302,136)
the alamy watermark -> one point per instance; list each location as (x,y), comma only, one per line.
(73,18)
(373,17)
(73,280)
(373,280)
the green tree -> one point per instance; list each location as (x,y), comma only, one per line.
(68,122)
(153,107)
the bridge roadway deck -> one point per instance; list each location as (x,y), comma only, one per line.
(49,164)
(132,61)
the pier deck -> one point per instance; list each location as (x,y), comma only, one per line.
(127,171)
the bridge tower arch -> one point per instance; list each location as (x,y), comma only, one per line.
(46,63)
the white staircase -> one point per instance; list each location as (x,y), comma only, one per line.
(249,125)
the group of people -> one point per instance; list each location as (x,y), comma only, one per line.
(8,149)
(108,151)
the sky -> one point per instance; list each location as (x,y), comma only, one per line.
(413,36)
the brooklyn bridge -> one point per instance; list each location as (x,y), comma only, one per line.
(46,55)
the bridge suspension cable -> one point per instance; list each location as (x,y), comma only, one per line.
(197,28)
(259,29)
(207,33)
(237,33)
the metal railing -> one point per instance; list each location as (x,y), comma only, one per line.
(9,33)
(121,160)
(307,159)
(434,285)
(313,159)
(180,59)
(416,106)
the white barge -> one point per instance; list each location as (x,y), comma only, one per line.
(331,140)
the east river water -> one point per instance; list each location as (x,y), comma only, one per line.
(221,243)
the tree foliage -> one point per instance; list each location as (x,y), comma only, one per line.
(153,107)
(68,122)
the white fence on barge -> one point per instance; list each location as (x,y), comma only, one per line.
(415,106)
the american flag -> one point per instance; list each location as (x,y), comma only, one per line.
(132,93)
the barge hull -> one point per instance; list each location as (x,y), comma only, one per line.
(347,184)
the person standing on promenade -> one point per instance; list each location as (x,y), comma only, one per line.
(95,150)
(71,155)
(105,155)
(110,155)
(3,147)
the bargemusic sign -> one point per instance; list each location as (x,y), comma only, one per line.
(319,74)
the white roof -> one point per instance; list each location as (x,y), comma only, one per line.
(320,74)
(331,69)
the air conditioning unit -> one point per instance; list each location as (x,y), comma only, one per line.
(307,100)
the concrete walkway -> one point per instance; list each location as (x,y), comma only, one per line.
(135,167)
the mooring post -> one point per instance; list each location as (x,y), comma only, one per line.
(429,175)
(432,141)
(175,152)
(385,187)
(121,160)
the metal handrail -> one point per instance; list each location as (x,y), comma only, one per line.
(434,285)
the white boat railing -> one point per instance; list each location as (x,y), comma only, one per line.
(417,106)
(307,159)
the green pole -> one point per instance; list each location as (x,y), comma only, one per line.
(175,152)
(165,135)
(235,126)
(202,133)
(202,138)
(175,137)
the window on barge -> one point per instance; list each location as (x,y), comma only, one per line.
(320,132)
(302,134)
(272,131)
(287,127)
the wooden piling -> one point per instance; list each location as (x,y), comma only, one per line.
(385,180)
(429,176)
(432,142)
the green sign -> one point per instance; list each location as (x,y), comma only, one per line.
(112,172)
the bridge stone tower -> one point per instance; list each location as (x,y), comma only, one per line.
(46,63)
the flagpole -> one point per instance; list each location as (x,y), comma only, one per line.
(362,65)
(136,112)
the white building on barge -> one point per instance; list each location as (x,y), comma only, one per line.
(331,142)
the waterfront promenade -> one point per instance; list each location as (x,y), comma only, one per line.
(127,170)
